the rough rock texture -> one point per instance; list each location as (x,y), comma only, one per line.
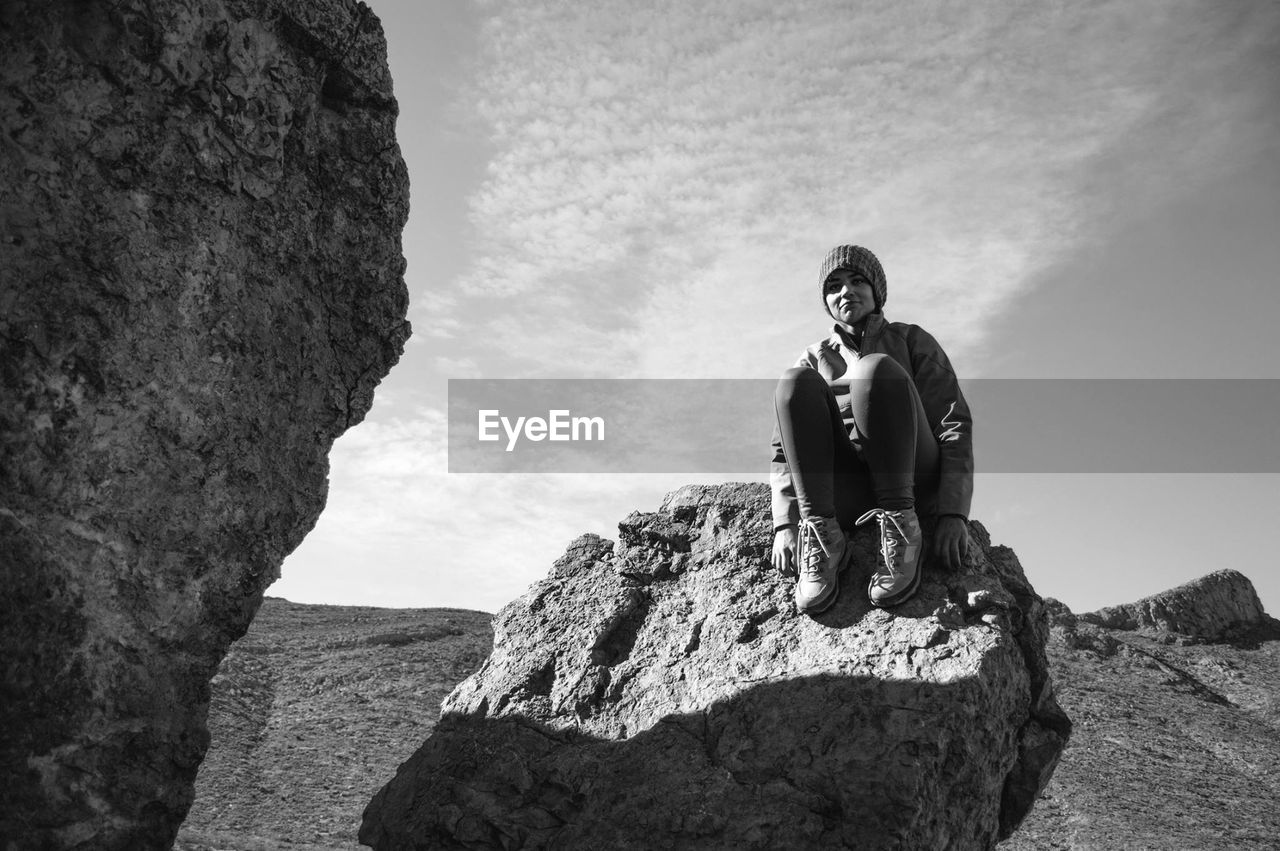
(1209,608)
(1174,744)
(312,710)
(666,695)
(202,203)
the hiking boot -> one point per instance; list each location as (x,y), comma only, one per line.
(901,560)
(824,552)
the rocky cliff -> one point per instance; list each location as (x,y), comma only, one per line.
(1211,608)
(202,204)
(1175,741)
(664,693)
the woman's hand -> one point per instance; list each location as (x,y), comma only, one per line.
(950,541)
(784,550)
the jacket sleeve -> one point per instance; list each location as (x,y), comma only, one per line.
(949,420)
(786,511)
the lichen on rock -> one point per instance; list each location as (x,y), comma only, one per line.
(665,693)
(202,284)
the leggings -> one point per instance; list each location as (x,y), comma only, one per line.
(888,456)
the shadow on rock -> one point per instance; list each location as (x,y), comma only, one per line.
(663,692)
(814,762)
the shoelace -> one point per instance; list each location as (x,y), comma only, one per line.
(888,543)
(809,533)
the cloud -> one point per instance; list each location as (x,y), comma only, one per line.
(666,176)
(463,367)
(400,531)
(432,313)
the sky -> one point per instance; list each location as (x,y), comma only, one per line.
(610,190)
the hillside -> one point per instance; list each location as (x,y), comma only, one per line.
(311,713)
(1175,743)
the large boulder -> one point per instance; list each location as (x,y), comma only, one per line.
(202,284)
(665,694)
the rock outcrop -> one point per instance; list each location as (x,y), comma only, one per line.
(1211,608)
(202,284)
(1174,742)
(665,694)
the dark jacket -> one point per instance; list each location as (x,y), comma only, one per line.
(948,413)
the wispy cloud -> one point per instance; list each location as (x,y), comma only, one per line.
(433,314)
(399,531)
(667,175)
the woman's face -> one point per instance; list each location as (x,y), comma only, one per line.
(849,296)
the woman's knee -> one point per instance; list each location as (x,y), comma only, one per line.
(877,380)
(797,380)
(877,365)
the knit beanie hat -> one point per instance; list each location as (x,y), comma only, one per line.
(855,258)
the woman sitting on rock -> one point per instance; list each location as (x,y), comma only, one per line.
(871,425)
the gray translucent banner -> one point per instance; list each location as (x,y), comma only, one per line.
(724,426)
